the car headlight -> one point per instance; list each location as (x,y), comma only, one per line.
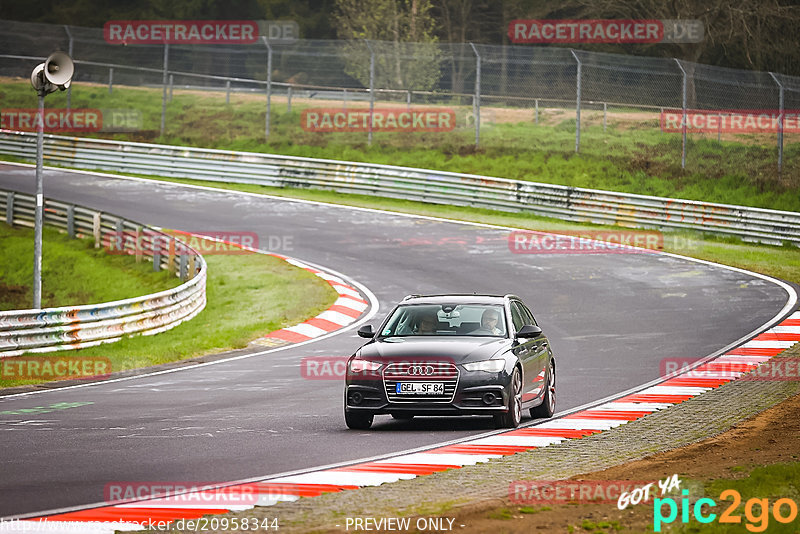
(364,366)
(490,366)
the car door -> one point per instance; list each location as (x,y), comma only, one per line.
(540,360)
(527,351)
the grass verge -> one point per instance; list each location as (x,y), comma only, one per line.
(247,296)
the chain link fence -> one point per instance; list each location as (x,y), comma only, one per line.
(553,99)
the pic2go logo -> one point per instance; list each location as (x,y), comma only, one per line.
(756,511)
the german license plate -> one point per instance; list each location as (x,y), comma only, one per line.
(420,388)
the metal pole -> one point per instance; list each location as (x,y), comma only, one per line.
(227,91)
(344,99)
(780,123)
(408,100)
(683,144)
(110,80)
(164,81)
(477,95)
(577,105)
(69,89)
(605,114)
(371,89)
(269,85)
(536,113)
(289,99)
(171,85)
(37,239)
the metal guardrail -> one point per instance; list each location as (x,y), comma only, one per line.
(569,203)
(72,327)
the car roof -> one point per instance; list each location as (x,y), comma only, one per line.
(458,298)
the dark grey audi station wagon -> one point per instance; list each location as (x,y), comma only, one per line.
(452,355)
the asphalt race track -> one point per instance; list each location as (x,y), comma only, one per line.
(611,319)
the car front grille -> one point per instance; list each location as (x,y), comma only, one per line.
(421,371)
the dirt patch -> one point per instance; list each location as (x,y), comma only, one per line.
(772,436)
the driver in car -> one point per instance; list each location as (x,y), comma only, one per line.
(489,321)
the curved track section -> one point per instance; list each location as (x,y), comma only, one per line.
(611,319)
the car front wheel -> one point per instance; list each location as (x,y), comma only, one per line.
(512,418)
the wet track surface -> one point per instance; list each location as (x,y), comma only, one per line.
(611,319)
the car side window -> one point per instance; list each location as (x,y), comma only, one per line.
(516,317)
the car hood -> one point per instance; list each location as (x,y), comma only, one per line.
(457,349)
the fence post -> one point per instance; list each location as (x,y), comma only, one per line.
(227,91)
(269,85)
(683,144)
(69,48)
(408,100)
(344,99)
(171,85)
(536,113)
(155,243)
(110,80)
(780,123)
(289,99)
(371,89)
(10,208)
(605,115)
(96,220)
(477,99)
(577,104)
(71,221)
(164,80)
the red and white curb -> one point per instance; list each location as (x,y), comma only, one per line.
(347,309)
(715,372)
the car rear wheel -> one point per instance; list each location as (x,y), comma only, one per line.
(548,405)
(512,418)
(358,421)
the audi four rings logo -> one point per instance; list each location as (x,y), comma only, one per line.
(420,370)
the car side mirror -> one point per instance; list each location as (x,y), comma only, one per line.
(366,331)
(529,331)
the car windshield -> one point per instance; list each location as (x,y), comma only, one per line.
(446,320)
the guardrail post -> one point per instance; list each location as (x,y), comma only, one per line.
(183,265)
(10,208)
(171,85)
(96,229)
(344,99)
(138,244)
(477,98)
(408,100)
(119,231)
(227,91)
(577,103)
(536,113)
(269,85)
(289,99)
(171,256)
(371,89)
(71,221)
(155,243)
(191,272)
(69,51)
(683,144)
(605,114)
(780,123)
(164,90)
(110,80)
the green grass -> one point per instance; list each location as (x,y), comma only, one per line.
(634,158)
(73,272)
(247,296)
